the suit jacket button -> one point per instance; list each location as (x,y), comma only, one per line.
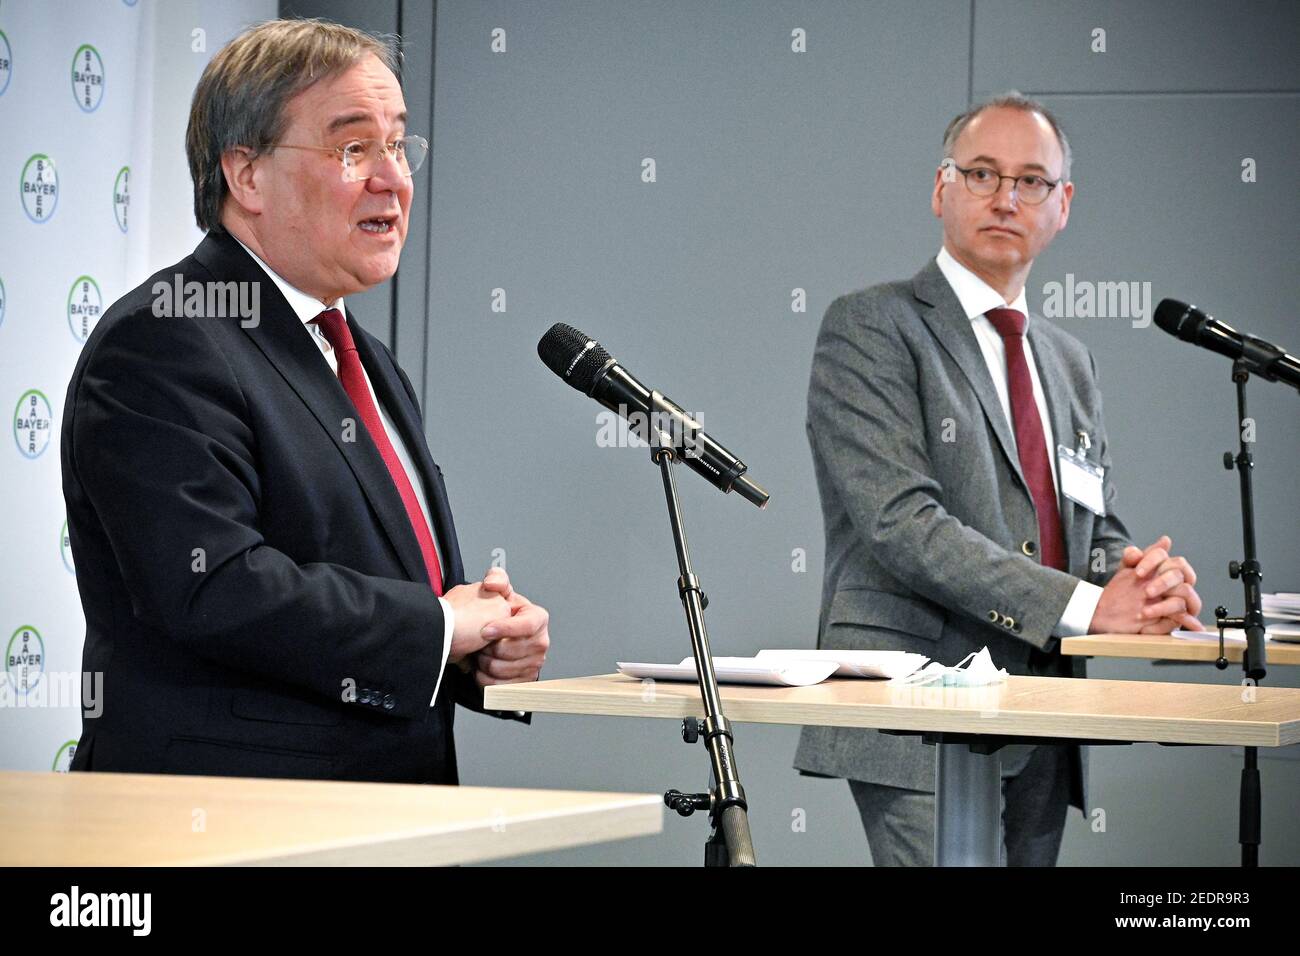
(1015,626)
(1029,548)
(389,702)
(1010,622)
(993,616)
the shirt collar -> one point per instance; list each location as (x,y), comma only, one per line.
(975,295)
(305,306)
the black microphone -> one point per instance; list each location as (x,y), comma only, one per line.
(1262,358)
(584,364)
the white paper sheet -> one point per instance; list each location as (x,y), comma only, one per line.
(1235,635)
(1281,606)
(878,664)
(737,670)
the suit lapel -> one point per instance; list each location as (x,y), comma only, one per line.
(942,312)
(1057,393)
(287,345)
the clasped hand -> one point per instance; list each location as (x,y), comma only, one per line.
(1152,593)
(498,632)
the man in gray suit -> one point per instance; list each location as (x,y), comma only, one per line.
(953,521)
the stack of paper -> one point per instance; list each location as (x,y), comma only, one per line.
(886,664)
(1282,606)
(786,668)
(1235,635)
(737,670)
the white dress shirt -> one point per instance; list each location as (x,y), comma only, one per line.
(977,298)
(307,307)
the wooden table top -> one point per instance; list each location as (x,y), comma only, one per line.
(1152,711)
(1163,647)
(121,819)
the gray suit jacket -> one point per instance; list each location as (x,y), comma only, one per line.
(931,534)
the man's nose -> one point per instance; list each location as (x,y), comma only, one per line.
(1007,200)
(389,176)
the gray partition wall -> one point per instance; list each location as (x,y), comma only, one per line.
(781,173)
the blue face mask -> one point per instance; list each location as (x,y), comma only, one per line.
(973,670)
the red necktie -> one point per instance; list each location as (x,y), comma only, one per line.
(1030,441)
(336,330)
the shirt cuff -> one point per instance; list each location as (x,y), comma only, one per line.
(448,626)
(1078,613)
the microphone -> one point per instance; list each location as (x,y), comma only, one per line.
(584,364)
(1265,359)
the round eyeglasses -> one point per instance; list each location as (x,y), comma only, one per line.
(983,181)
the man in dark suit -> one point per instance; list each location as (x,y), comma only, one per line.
(266,554)
(954,521)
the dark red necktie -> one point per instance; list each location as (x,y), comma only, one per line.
(1030,441)
(338,334)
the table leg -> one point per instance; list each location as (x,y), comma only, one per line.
(967,807)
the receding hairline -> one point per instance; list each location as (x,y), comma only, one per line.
(1019,103)
(1043,122)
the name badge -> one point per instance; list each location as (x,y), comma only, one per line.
(1082,481)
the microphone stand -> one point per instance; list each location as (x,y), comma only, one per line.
(729,843)
(1252,620)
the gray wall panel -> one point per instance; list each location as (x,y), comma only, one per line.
(1151,45)
(1149,209)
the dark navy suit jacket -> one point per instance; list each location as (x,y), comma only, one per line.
(254,594)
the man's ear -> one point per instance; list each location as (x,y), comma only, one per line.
(941,176)
(238,165)
(1067,194)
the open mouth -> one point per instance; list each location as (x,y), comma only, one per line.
(379,225)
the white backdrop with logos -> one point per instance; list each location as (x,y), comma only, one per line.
(93,101)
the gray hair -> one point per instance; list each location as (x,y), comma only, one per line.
(1016,101)
(241,96)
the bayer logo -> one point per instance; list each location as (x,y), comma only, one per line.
(87,78)
(40,187)
(33,423)
(25,659)
(85,303)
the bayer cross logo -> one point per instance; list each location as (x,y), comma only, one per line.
(33,422)
(85,303)
(122,196)
(40,186)
(87,78)
(6,63)
(25,659)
